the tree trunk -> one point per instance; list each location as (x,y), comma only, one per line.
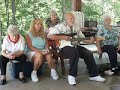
(7,11)
(63,8)
(13,11)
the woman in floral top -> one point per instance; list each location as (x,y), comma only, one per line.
(108,41)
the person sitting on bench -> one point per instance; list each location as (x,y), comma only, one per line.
(71,52)
(108,40)
(37,49)
(13,49)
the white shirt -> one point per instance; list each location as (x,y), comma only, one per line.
(63,28)
(11,47)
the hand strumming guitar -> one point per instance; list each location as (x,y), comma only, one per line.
(67,38)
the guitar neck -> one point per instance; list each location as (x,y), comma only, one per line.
(79,39)
(71,35)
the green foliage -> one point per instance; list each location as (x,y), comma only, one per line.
(94,9)
(26,10)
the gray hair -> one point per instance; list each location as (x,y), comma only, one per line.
(13,29)
(52,11)
(106,16)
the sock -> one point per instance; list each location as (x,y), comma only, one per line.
(34,71)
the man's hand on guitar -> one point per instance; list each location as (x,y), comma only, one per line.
(67,38)
(92,40)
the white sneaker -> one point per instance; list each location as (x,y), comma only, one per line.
(54,75)
(108,72)
(97,78)
(34,77)
(71,80)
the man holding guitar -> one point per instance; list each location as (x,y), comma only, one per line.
(71,52)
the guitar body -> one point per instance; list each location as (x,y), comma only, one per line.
(57,43)
(51,43)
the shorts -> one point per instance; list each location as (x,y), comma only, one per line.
(29,55)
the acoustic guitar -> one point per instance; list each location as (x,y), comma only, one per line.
(56,43)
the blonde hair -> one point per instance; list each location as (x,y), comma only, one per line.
(41,32)
(13,29)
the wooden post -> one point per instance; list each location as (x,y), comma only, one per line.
(76,5)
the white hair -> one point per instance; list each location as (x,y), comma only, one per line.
(105,16)
(13,29)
